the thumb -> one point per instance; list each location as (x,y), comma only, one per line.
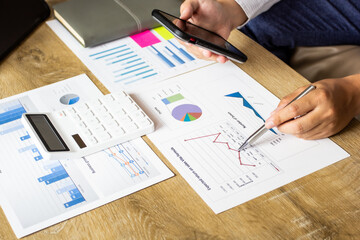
(188,8)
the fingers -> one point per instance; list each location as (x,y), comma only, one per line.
(208,55)
(323,112)
(318,132)
(188,8)
(285,100)
(296,109)
(202,53)
(221,59)
(302,126)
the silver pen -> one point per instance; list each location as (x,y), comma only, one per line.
(262,130)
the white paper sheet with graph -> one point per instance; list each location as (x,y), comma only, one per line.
(132,62)
(204,116)
(36,193)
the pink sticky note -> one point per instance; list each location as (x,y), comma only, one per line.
(145,39)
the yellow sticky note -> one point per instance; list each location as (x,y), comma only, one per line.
(164,33)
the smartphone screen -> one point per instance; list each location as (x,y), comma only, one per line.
(202,37)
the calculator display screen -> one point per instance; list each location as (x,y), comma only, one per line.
(47,133)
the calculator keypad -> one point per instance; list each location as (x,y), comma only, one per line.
(107,117)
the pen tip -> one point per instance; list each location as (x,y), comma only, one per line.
(242,146)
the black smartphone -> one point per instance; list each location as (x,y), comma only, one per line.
(17,19)
(199,36)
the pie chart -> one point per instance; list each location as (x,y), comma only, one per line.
(186,112)
(69,99)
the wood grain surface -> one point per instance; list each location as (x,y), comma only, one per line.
(322,205)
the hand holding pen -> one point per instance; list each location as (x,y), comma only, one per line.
(269,123)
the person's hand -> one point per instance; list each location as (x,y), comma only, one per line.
(324,111)
(220,16)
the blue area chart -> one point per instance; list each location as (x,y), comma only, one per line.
(247,105)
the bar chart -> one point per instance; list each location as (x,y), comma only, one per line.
(141,57)
(66,187)
(36,192)
(125,64)
(138,60)
(171,53)
(10,112)
(54,177)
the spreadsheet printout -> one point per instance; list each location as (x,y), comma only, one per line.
(36,193)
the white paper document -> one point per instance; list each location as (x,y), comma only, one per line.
(130,62)
(202,118)
(36,193)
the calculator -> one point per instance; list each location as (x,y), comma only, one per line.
(89,127)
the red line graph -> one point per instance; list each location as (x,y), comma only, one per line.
(226,143)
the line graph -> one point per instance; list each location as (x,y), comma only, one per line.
(123,165)
(125,160)
(214,150)
(226,143)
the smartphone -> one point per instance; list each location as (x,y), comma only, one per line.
(18,19)
(199,36)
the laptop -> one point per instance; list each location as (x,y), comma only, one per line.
(18,18)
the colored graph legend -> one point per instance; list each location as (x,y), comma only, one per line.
(168,52)
(172,99)
(164,33)
(145,38)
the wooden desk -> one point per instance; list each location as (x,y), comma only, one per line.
(323,205)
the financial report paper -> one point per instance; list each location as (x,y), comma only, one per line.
(135,61)
(203,112)
(36,193)
(202,118)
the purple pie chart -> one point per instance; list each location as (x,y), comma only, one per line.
(186,112)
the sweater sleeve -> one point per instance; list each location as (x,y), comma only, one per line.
(252,8)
